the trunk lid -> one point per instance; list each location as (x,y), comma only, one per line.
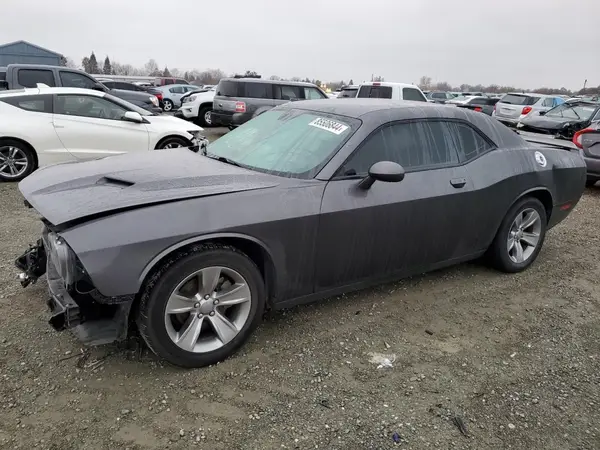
(511,105)
(75,191)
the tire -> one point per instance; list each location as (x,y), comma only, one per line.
(590,181)
(158,327)
(204,117)
(172,142)
(17,160)
(501,255)
(168,105)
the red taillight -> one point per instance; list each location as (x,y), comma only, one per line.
(478,109)
(158,96)
(579,136)
(526,110)
(240,107)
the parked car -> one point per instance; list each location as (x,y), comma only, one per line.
(19,76)
(125,86)
(237,100)
(393,91)
(439,97)
(198,106)
(39,127)
(349,91)
(172,94)
(283,189)
(564,120)
(165,81)
(479,104)
(513,107)
(587,141)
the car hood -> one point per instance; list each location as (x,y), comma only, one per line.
(74,192)
(174,123)
(547,123)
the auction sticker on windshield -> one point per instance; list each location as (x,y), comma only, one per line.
(329,125)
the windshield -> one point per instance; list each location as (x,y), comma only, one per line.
(462,98)
(129,106)
(292,142)
(572,111)
(522,100)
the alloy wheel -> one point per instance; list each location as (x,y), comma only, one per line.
(208,309)
(168,106)
(173,144)
(524,235)
(13,162)
(207,118)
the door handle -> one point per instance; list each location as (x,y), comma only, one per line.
(458,182)
(58,126)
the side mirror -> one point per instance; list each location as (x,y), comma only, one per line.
(132,116)
(386,171)
(542,113)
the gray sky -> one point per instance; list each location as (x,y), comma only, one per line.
(526,43)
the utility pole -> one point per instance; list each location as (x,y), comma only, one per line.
(584,83)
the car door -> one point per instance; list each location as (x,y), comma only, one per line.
(92,127)
(394,229)
(175,94)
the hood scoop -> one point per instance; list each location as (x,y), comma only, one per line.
(116,182)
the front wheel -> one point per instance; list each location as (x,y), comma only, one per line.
(168,105)
(201,305)
(17,160)
(204,117)
(520,236)
(172,142)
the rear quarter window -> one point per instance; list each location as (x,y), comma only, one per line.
(258,90)
(228,88)
(33,103)
(30,77)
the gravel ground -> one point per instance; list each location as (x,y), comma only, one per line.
(512,360)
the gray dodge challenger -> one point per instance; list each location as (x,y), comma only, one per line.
(306,201)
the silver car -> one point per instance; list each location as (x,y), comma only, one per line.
(513,107)
(172,94)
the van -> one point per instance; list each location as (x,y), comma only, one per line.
(392,91)
(237,100)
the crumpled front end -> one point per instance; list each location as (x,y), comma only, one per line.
(73,300)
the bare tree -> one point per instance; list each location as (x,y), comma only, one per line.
(151,69)
(425,83)
(274,78)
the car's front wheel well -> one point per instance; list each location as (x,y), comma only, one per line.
(253,250)
(172,137)
(26,144)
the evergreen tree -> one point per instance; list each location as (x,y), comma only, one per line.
(108,70)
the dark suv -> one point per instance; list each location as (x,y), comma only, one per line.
(237,100)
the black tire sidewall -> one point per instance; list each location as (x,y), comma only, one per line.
(500,254)
(172,139)
(152,311)
(29,154)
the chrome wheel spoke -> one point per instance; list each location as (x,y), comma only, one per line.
(178,304)
(208,280)
(190,331)
(518,220)
(3,167)
(12,152)
(529,220)
(238,293)
(519,252)
(224,328)
(530,239)
(511,245)
(20,162)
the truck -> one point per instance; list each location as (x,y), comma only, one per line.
(19,76)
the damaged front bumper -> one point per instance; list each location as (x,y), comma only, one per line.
(73,300)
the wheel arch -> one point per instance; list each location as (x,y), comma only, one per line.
(27,144)
(172,136)
(255,249)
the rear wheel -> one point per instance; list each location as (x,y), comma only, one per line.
(202,305)
(204,117)
(17,160)
(520,236)
(167,105)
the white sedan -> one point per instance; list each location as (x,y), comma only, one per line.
(44,126)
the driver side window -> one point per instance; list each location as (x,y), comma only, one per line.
(77,80)
(413,145)
(88,106)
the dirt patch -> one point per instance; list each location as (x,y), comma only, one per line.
(516,358)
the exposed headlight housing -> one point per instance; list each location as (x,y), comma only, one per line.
(154,100)
(62,258)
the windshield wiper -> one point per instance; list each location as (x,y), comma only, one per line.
(222,159)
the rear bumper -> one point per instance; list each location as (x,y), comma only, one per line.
(225,119)
(508,120)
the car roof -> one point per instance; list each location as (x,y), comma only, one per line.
(530,94)
(260,80)
(388,83)
(51,90)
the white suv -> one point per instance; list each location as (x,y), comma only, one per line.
(392,91)
(44,126)
(198,106)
